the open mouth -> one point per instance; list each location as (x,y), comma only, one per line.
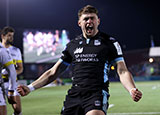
(89,28)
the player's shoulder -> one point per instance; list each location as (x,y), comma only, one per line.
(3,51)
(76,39)
(14,48)
(79,37)
(1,47)
(107,37)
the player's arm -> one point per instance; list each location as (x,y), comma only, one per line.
(127,81)
(19,63)
(46,78)
(50,75)
(8,64)
(19,67)
(12,83)
(12,77)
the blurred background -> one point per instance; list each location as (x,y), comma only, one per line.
(134,23)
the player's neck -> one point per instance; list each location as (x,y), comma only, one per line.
(85,36)
(6,45)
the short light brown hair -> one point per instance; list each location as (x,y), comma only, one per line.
(87,9)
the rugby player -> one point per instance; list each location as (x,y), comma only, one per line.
(91,54)
(7,62)
(7,34)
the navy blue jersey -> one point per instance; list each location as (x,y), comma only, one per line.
(91,59)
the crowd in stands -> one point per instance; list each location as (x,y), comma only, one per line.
(146,68)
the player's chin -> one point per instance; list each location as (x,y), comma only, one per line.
(89,35)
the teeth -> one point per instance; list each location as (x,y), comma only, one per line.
(89,28)
(88,25)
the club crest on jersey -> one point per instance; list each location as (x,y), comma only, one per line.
(78,50)
(97,103)
(97,42)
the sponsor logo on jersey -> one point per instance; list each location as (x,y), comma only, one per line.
(118,48)
(78,50)
(97,42)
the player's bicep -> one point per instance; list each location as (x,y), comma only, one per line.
(19,65)
(19,68)
(121,67)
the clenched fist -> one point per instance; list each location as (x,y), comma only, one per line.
(23,90)
(136,94)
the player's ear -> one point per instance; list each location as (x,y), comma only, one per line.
(98,21)
(79,23)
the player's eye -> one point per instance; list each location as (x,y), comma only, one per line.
(85,19)
(91,18)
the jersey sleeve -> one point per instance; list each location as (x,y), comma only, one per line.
(19,56)
(115,51)
(66,56)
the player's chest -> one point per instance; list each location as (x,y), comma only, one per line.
(92,51)
(13,53)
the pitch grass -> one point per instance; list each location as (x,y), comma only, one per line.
(49,101)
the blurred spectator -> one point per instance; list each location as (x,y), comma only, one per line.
(146,68)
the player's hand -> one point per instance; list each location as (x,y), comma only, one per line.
(23,90)
(136,94)
(11,99)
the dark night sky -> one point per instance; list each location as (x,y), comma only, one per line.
(132,22)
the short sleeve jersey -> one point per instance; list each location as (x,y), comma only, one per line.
(91,59)
(16,56)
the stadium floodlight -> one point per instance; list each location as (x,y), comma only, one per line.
(154,52)
(151,60)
